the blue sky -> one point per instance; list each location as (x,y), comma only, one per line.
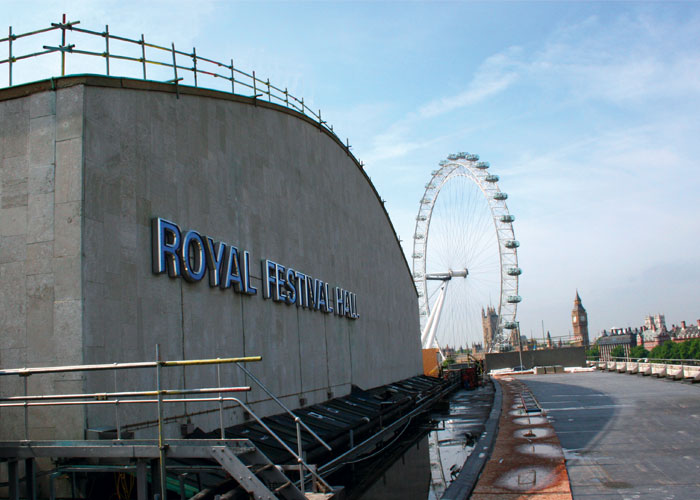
(588,111)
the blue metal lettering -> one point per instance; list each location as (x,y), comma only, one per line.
(280,272)
(321,295)
(311,296)
(232,277)
(191,253)
(301,290)
(338,301)
(165,242)
(248,288)
(215,259)
(291,286)
(329,301)
(347,306)
(269,270)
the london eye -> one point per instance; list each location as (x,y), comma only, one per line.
(465,263)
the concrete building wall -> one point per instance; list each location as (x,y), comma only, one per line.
(40,248)
(254,176)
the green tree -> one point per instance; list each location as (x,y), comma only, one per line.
(593,352)
(618,352)
(667,350)
(689,349)
(638,351)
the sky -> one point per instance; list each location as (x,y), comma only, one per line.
(588,111)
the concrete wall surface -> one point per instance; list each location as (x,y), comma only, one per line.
(40,252)
(565,356)
(77,216)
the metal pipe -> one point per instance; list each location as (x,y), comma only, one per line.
(300,451)
(116,409)
(194,60)
(9,58)
(124,366)
(26,413)
(284,445)
(104,395)
(213,361)
(116,401)
(143,55)
(107,46)
(63,44)
(221,403)
(161,443)
(283,406)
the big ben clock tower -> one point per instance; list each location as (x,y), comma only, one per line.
(579,319)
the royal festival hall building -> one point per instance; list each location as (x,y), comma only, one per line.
(137,214)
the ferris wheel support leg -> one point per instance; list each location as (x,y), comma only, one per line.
(429,334)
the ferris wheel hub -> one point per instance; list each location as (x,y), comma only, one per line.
(461,273)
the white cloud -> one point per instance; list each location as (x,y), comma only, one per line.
(495,75)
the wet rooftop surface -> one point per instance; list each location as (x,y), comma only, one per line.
(430,454)
(624,436)
(527,459)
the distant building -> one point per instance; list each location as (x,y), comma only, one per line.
(624,337)
(655,332)
(489,325)
(683,332)
(579,320)
(680,333)
(655,323)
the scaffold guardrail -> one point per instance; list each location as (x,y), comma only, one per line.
(150,55)
(117,398)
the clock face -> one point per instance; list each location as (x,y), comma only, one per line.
(575,318)
(583,318)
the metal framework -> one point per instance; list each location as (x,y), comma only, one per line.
(162,448)
(468,166)
(186,66)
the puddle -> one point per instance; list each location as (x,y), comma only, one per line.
(426,470)
(530,420)
(540,450)
(526,478)
(534,433)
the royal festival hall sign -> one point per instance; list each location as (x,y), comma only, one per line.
(191,255)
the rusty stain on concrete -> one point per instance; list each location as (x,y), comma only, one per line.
(527,460)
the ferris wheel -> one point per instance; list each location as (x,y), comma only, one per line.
(465,262)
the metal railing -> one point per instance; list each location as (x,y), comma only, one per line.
(150,56)
(626,359)
(118,398)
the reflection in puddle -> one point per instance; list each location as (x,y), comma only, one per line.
(428,466)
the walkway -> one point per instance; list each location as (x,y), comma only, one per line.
(624,436)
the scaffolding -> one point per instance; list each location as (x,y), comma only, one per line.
(239,457)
